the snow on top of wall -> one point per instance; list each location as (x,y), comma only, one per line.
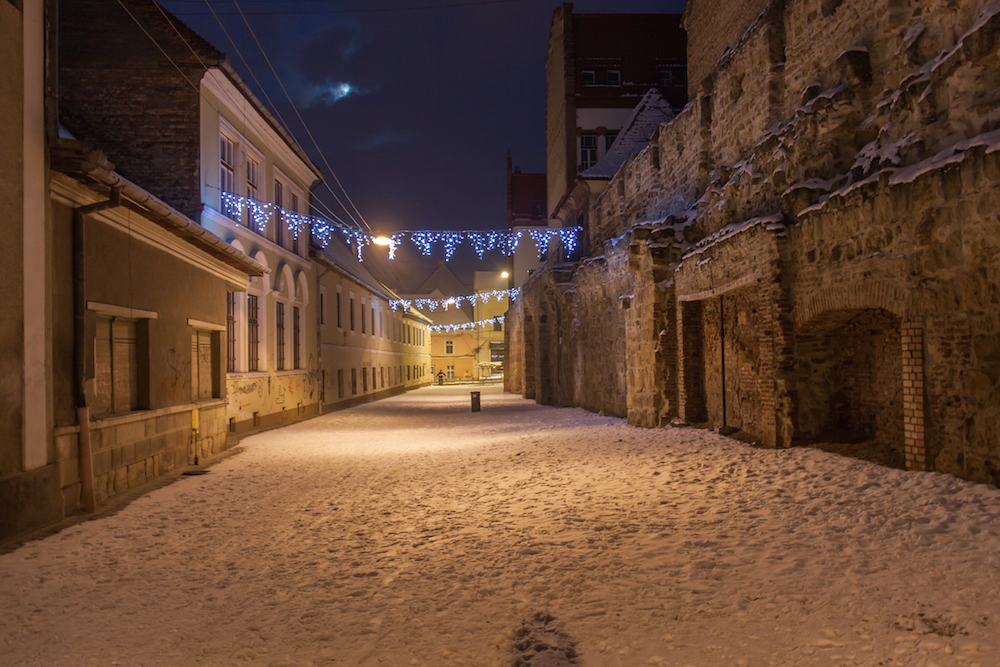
(952,155)
(773,222)
(651,111)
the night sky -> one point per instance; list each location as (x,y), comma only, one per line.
(437,95)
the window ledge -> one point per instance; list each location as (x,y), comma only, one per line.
(294,371)
(246,375)
(142,415)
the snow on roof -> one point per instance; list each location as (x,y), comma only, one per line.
(651,111)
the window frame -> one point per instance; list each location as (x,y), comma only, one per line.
(253,333)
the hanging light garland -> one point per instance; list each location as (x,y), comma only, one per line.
(456,301)
(466,326)
(323,230)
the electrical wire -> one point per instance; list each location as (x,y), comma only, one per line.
(261,88)
(306,127)
(328,211)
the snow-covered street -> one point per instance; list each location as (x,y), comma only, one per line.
(414,532)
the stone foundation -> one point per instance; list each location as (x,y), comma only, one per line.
(130,450)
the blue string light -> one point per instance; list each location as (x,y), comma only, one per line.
(466,326)
(323,230)
(433,304)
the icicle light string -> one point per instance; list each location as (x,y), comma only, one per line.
(505,241)
(456,301)
(467,326)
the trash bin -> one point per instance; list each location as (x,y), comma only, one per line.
(475,401)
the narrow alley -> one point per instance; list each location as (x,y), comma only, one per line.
(412,531)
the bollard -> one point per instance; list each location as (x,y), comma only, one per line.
(475,401)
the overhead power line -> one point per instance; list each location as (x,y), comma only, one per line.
(304,126)
(135,20)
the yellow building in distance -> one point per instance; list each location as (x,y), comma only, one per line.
(490,353)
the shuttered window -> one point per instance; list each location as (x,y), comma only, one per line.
(204,374)
(116,366)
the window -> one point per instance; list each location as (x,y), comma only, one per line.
(364,380)
(588,151)
(614,77)
(408,373)
(116,365)
(253,169)
(449,347)
(609,139)
(497,325)
(253,334)
(373,320)
(230,332)
(227,173)
(588,76)
(536,210)
(205,380)
(294,205)
(227,163)
(340,319)
(362,318)
(381,324)
(322,306)
(666,78)
(340,383)
(352,313)
(296,343)
(279,329)
(381,376)
(451,372)
(279,225)
(354,381)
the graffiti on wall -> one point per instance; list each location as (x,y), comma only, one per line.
(178,376)
(265,395)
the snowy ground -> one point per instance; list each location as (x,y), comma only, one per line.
(413,532)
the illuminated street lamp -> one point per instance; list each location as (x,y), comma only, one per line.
(386,241)
(504,275)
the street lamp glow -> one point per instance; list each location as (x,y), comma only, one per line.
(504,275)
(382,240)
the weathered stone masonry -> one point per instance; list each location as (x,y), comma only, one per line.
(810,250)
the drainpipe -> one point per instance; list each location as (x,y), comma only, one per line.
(87,497)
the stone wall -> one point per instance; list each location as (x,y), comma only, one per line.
(713,26)
(130,450)
(824,219)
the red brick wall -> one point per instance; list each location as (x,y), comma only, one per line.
(118,92)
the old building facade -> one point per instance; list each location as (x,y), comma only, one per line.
(806,252)
(597,68)
(162,284)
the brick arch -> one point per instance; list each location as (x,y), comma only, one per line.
(863,296)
